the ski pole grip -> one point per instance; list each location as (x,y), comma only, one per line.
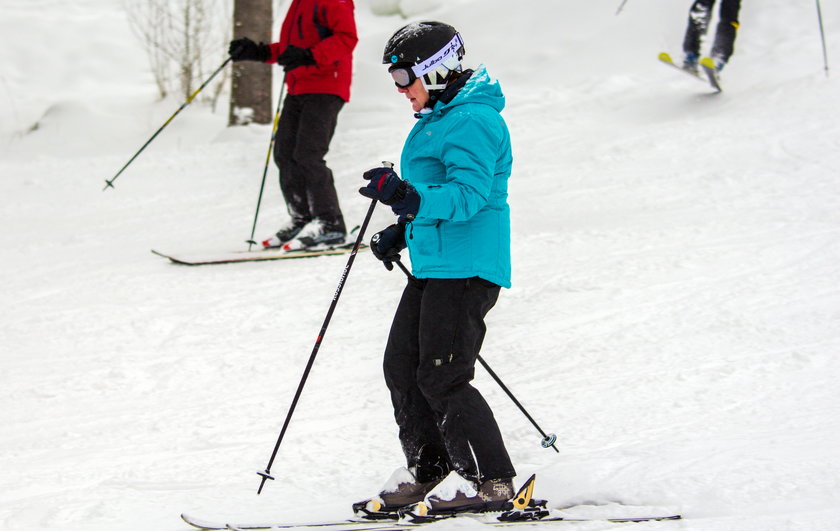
(387,164)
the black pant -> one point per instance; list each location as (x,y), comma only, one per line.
(699,18)
(429,362)
(304,132)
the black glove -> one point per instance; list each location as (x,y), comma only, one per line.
(386,186)
(387,244)
(245,49)
(293,57)
(383,184)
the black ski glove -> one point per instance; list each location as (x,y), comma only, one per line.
(293,57)
(245,49)
(386,186)
(387,244)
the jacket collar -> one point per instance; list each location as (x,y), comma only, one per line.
(448,94)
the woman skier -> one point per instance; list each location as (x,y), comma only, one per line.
(453,215)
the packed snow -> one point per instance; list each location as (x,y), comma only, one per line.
(674,316)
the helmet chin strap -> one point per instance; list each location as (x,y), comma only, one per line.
(434,93)
(436,79)
(435,82)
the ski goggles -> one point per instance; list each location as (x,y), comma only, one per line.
(403,76)
(449,56)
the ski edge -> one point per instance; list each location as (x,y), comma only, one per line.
(395,526)
(626,519)
(288,255)
(353,526)
(709,67)
(356,525)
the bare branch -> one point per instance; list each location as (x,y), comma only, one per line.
(180,38)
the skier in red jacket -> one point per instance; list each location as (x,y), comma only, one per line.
(315,49)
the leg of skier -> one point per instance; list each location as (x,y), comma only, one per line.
(444,422)
(293,188)
(451,331)
(318,122)
(304,132)
(427,462)
(727,30)
(415,418)
(699,17)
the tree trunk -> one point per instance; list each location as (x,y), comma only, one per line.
(250,98)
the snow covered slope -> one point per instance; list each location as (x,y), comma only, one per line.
(675,314)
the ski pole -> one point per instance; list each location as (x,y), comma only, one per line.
(110,183)
(251,241)
(822,37)
(549,439)
(620,7)
(266,474)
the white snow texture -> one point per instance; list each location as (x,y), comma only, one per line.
(674,315)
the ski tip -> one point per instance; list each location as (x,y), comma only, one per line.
(708,62)
(197,523)
(665,57)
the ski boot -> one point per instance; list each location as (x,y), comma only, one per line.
(456,495)
(316,235)
(402,489)
(691,63)
(285,234)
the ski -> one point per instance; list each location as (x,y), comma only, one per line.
(712,73)
(707,64)
(350,523)
(521,509)
(665,58)
(491,519)
(234,257)
(535,520)
(488,519)
(348,526)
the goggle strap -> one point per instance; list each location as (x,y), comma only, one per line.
(448,51)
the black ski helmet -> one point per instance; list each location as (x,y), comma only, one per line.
(433,49)
(418,41)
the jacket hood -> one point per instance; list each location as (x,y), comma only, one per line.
(480,88)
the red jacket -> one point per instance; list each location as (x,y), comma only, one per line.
(328,28)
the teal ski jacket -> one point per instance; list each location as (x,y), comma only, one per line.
(458,157)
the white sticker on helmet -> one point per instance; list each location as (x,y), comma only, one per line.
(446,56)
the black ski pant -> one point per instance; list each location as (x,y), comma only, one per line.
(429,362)
(699,18)
(304,132)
